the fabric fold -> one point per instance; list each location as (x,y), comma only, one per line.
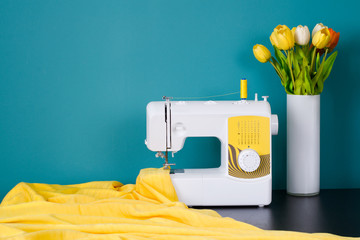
(148,209)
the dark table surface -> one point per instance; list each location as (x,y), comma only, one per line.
(332,211)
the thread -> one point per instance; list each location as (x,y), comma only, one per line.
(214,96)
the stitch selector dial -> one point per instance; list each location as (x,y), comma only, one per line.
(249,160)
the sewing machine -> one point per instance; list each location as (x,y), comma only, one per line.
(244,129)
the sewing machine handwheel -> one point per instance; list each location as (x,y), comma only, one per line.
(249,160)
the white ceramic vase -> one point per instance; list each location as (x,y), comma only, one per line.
(303,145)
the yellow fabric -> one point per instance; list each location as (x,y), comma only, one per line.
(110,210)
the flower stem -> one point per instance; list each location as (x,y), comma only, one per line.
(306,47)
(312,60)
(290,67)
(277,71)
(275,67)
(326,51)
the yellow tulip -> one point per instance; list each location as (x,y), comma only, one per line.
(282,37)
(261,53)
(321,38)
(293,31)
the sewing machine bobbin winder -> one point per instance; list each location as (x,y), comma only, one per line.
(244,129)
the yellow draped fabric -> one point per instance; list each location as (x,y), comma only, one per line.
(110,210)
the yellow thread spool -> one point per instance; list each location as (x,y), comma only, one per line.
(243,89)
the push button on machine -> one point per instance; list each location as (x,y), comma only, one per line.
(210,102)
(179,129)
(180,103)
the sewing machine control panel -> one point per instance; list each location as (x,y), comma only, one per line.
(249,146)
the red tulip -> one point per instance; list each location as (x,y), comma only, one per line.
(334,39)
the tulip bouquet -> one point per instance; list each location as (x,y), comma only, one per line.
(302,68)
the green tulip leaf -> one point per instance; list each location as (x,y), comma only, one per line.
(298,85)
(276,63)
(305,63)
(307,82)
(280,57)
(318,74)
(300,52)
(328,66)
(320,86)
(289,86)
(288,91)
(296,65)
(309,54)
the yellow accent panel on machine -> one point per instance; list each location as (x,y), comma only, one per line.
(249,132)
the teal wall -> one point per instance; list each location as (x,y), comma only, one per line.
(75,78)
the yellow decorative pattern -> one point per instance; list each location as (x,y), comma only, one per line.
(246,132)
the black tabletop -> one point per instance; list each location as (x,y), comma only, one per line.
(332,211)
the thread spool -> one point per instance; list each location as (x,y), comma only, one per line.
(243,89)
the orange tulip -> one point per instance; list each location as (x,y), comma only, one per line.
(334,39)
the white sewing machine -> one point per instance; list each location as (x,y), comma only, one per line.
(244,129)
